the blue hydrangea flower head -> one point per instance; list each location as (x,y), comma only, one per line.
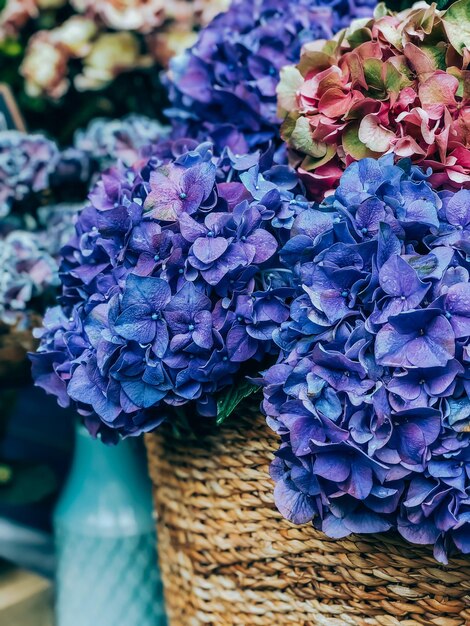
(371,398)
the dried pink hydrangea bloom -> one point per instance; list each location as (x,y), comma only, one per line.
(397,83)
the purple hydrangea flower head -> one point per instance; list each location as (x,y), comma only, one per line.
(28,272)
(371,395)
(26,165)
(225,86)
(172,287)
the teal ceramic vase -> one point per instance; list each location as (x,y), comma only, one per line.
(106,560)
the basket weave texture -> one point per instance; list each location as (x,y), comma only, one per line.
(228,558)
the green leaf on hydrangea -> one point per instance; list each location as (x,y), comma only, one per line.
(394,79)
(437,53)
(314,58)
(380,10)
(227,404)
(457,24)
(463,76)
(373,73)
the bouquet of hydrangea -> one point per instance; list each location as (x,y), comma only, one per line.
(198,261)
(170,287)
(396,83)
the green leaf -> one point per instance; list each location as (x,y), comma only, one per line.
(394,80)
(457,24)
(373,76)
(288,125)
(313,59)
(381,10)
(437,53)
(229,402)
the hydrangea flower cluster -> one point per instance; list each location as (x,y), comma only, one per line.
(225,86)
(27,272)
(372,398)
(129,139)
(397,83)
(170,287)
(26,165)
(34,171)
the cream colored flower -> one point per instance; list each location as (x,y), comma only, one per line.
(75,34)
(130,15)
(166,44)
(15,14)
(44,67)
(110,55)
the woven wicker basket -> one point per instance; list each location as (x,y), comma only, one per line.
(229,559)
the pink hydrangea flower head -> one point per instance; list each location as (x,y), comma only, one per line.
(396,83)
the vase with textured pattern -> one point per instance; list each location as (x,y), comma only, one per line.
(107,571)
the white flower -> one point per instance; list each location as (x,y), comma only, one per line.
(110,55)
(76,35)
(44,67)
